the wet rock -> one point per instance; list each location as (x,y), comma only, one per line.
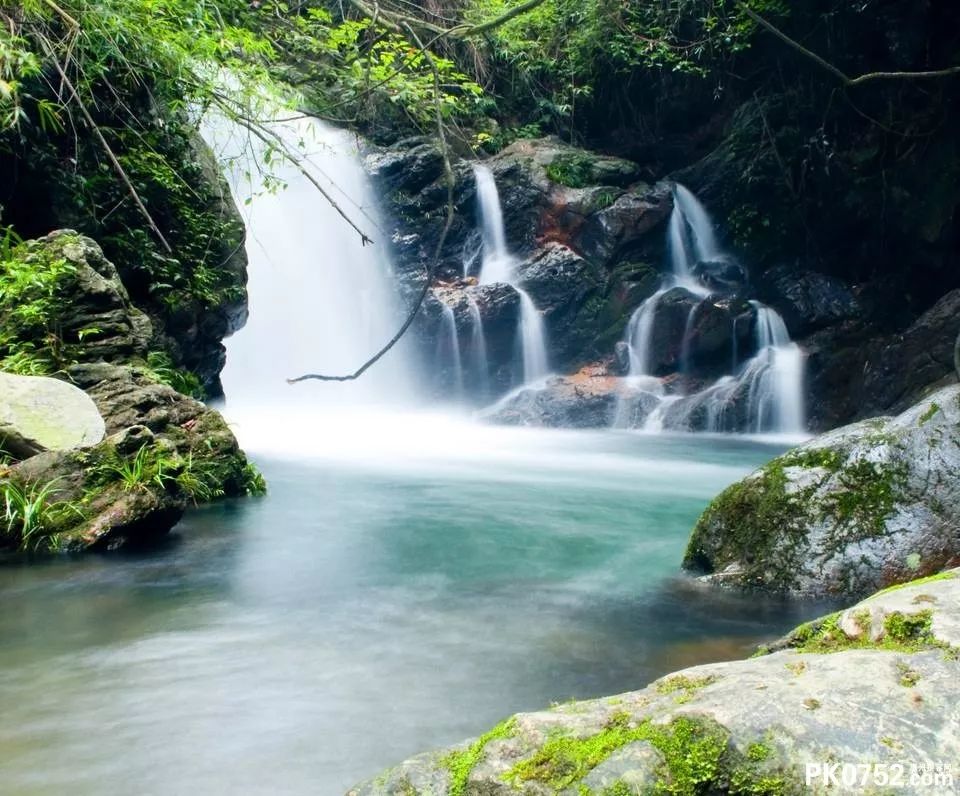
(856,372)
(723,274)
(623,229)
(756,723)
(808,300)
(856,509)
(584,400)
(39,414)
(562,285)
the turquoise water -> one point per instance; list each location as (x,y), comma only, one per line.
(382,600)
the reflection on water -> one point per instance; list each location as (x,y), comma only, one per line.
(377,603)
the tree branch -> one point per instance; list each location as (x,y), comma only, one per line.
(271,139)
(399,23)
(432,270)
(835,71)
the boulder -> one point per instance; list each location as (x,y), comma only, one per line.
(854,371)
(39,414)
(752,726)
(568,290)
(93,318)
(165,451)
(623,230)
(587,399)
(859,508)
(808,300)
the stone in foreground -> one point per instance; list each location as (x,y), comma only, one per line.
(887,693)
(40,414)
(854,510)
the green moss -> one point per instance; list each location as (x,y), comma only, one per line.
(907,677)
(928,415)
(919,582)
(573,170)
(460,764)
(826,458)
(902,633)
(688,686)
(867,496)
(697,758)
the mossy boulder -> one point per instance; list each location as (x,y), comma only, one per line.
(62,301)
(859,508)
(166,451)
(738,727)
(39,413)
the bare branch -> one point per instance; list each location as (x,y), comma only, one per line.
(432,270)
(836,72)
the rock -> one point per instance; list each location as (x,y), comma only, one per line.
(623,230)
(195,330)
(749,726)
(859,508)
(808,300)
(855,372)
(568,290)
(584,400)
(93,319)
(39,414)
(723,274)
(109,498)
(165,451)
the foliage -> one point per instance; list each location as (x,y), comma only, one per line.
(32,283)
(161,368)
(460,764)
(31,514)
(560,51)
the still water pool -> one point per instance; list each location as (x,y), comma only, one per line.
(390,594)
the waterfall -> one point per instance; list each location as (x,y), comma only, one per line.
(769,386)
(478,348)
(640,335)
(320,301)
(781,387)
(498,265)
(448,348)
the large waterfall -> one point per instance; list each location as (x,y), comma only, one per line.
(499,265)
(320,301)
(764,393)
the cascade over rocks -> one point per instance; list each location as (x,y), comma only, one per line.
(588,247)
(856,509)
(753,725)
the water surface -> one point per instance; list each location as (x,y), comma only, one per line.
(393,593)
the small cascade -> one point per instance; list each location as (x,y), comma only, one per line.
(479,364)
(765,393)
(448,349)
(640,335)
(498,265)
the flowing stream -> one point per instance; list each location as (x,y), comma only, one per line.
(409,580)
